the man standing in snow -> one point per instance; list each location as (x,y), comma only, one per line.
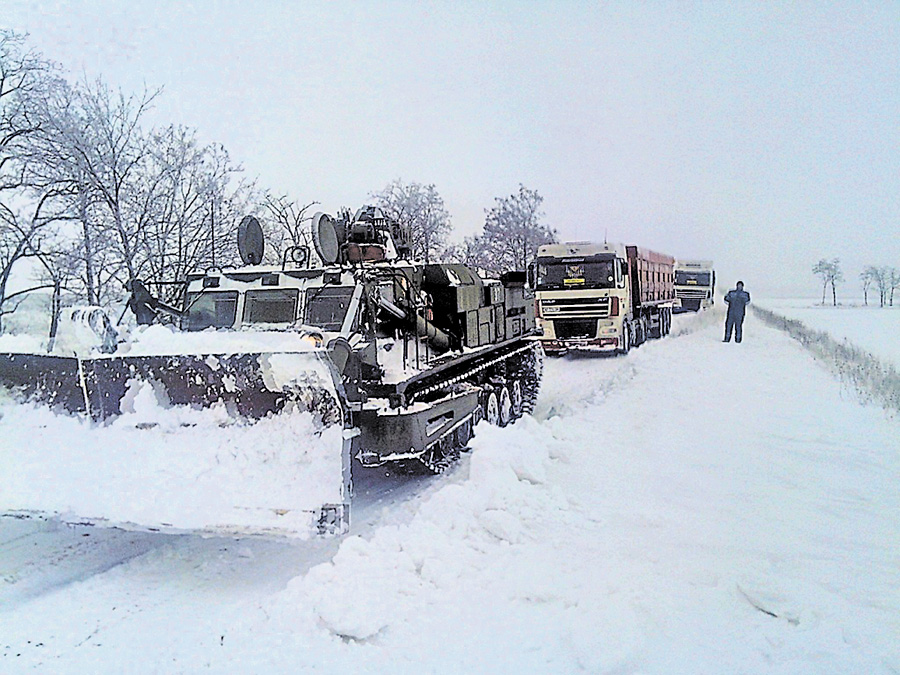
(737,300)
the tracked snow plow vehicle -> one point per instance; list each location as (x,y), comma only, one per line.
(394,361)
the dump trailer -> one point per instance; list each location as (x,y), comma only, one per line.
(695,285)
(394,361)
(601,297)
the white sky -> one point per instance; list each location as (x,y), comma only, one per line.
(763,136)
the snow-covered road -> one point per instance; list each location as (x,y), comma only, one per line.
(696,507)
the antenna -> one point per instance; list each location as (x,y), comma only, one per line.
(605,235)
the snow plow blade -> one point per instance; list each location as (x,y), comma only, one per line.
(178,443)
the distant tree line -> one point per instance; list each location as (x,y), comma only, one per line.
(885,280)
(95,198)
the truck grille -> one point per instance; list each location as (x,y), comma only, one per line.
(594,307)
(567,329)
(691,293)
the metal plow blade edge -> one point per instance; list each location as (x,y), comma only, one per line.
(236,445)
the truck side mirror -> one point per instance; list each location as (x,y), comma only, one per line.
(531,275)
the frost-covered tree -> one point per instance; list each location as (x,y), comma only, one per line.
(829,271)
(513,229)
(893,281)
(470,252)
(194,201)
(27,205)
(146,204)
(289,225)
(421,209)
(93,146)
(867,278)
(881,279)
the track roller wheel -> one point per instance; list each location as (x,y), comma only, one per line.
(517,397)
(492,408)
(436,459)
(526,372)
(464,434)
(506,406)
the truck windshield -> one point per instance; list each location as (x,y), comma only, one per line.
(575,273)
(326,307)
(684,278)
(277,305)
(210,308)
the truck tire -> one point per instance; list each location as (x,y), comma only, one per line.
(659,330)
(626,339)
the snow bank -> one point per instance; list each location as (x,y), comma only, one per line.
(164,340)
(675,518)
(870,327)
(172,468)
(872,378)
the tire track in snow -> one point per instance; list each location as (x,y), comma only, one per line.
(40,556)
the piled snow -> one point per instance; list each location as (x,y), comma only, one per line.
(175,468)
(22,343)
(696,507)
(872,378)
(165,341)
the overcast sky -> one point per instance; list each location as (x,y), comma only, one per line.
(761,135)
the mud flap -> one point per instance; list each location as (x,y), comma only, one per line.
(147,454)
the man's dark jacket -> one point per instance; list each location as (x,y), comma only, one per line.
(737,301)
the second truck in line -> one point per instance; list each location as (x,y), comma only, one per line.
(601,297)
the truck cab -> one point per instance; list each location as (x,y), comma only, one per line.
(695,285)
(601,297)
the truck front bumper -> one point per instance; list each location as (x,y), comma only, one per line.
(603,344)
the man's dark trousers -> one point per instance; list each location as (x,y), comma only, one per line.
(737,323)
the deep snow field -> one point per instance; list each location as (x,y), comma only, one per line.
(871,327)
(694,507)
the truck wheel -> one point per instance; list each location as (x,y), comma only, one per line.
(626,339)
(505,407)
(492,408)
(658,330)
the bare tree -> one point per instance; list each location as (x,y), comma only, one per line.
(421,209)
(470,252)
(27,204)
(512,232)
(93,151)
(290,224)
(192,197)
(881,278)
(893,281)
(867,277)
(829,271)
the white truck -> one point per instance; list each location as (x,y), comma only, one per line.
(601,297)
(695,285)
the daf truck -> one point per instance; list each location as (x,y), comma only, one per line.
(695,285)
(601,297)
